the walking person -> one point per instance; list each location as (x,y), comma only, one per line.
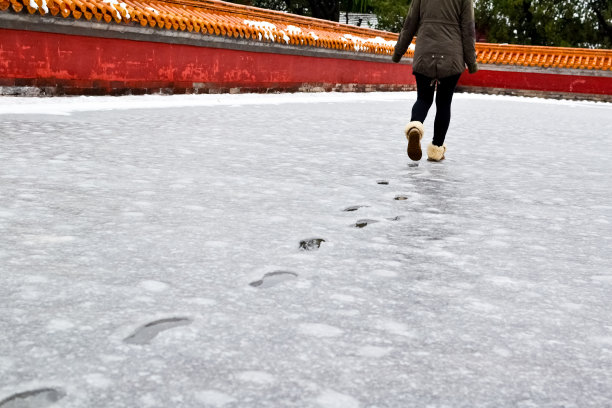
(445,45)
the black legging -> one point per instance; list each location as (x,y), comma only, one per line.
(444,97)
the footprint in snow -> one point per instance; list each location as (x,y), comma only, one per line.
(273,278)
(310,244)
(38,398)
(354,208)
(363,223)
(146,333)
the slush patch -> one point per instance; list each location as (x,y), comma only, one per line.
(40,398)
(310,244)
(146,333)
(363,223)
(273,278)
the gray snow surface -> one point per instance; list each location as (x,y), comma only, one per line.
(481,281)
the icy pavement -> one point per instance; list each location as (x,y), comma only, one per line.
(280,251)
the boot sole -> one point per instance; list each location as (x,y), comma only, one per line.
(414,145)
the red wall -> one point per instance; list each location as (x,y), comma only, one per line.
(535,81)
(136,64)
(79,63)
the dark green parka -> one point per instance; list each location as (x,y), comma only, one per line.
(445,37)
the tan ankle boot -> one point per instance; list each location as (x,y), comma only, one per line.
(435,153)
(414,134)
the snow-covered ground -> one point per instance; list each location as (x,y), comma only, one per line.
(151,253)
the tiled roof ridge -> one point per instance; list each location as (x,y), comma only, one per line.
(250,12)
(546,57)
(213,17)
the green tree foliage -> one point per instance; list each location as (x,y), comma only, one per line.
(289,6)
(390,13)
(564,23)
(324,9)
(355,6)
